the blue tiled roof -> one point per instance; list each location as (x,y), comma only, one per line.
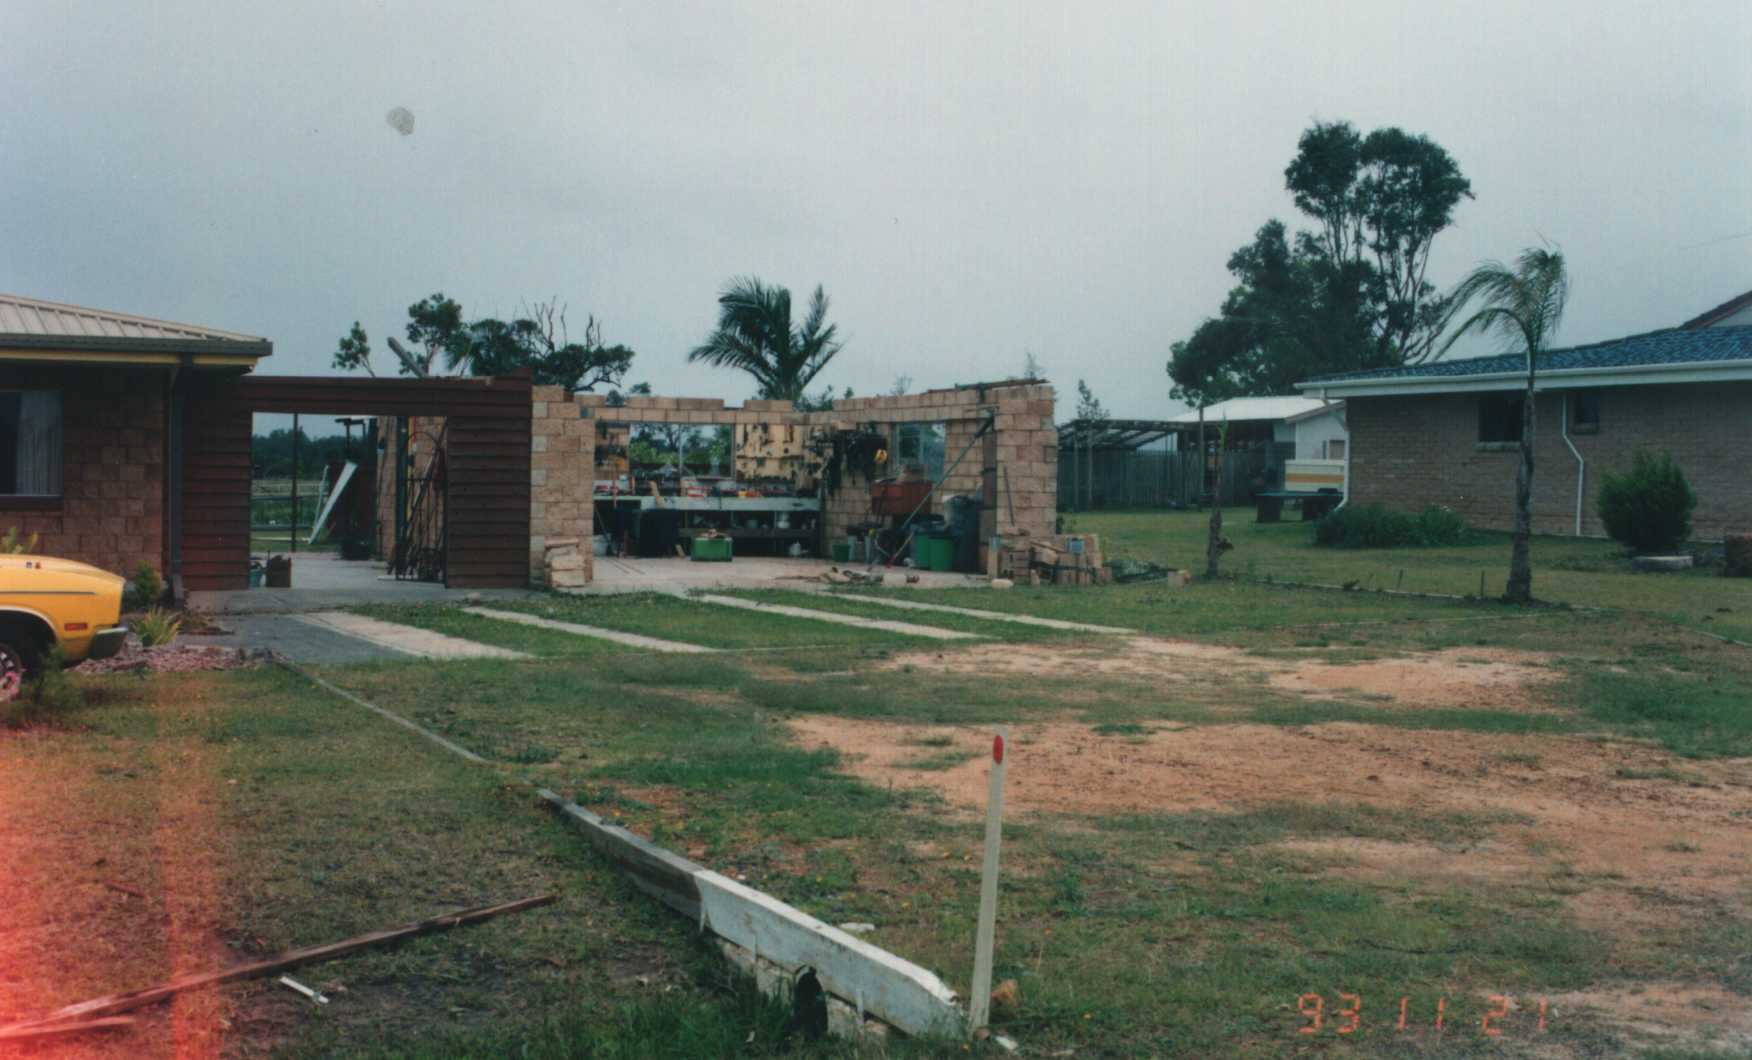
(1673,346)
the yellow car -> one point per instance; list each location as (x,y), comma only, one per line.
(47,602)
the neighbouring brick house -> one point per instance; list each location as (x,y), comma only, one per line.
(1448,432)
(89,425)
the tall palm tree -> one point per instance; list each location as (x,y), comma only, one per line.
(754,334)
(1524,304)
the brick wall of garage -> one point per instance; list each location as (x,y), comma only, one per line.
(1414,451)
(111,511)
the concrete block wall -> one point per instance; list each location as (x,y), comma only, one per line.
(562,474)
(114,434)
(1415,451)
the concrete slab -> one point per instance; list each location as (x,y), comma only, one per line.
(622,575)
(634,640)
(325,582)
(992,616)
(409,640)
(300,642)
(908,628)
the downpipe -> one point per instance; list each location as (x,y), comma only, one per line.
(1581,464)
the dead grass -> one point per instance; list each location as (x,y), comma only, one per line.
(1608,833)
(1471,677)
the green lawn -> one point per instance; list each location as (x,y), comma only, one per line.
(1576,571)
(1166,933)
(711,625)
(254,814)
(1186,926)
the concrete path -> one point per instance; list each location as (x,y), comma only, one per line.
(409,640)
(299,642)
(325,582)
(633,640)
(994,616)
(619,574)
(908,628)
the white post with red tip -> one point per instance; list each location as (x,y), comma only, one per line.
(979,1005)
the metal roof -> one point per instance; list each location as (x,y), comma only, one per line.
(34,322)
(1113,434)
(1670,348)
(1242,410)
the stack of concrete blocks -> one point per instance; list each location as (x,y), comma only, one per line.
(1012,469)
(565,563)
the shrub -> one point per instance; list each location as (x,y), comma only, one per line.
(1648,507)
(144,590)
(1374,526)
(158,627)
(13,545)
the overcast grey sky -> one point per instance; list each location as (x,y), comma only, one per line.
(968,181)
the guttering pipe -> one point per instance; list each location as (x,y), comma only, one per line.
(1345,423)
(1340,408)
(1581,464)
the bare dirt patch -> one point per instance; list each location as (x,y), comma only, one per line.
(1646,838)
(1454,677)
(1151,657)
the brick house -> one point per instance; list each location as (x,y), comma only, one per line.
(1449,432)
(91,426)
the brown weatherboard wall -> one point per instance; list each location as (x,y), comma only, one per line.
(216,485)
(487,501)
(1014,469)
(1414,451)
(111,511)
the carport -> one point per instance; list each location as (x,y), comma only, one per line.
(487,494)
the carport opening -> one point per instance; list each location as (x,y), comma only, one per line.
(346,502)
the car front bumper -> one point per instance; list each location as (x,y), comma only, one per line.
(106,642)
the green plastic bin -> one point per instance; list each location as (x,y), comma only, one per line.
(842,552)
(937,553)
(711,550)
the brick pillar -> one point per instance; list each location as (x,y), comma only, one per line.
(562,474)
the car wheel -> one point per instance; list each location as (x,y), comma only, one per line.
(16,657)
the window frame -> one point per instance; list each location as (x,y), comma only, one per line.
(921,434)
(1512,414)
(1578,401)
(42,501)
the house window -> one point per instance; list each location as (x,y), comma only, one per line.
(920,445)
(1585,411)
(30,443)
(1499,417)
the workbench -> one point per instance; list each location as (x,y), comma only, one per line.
(742,518)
